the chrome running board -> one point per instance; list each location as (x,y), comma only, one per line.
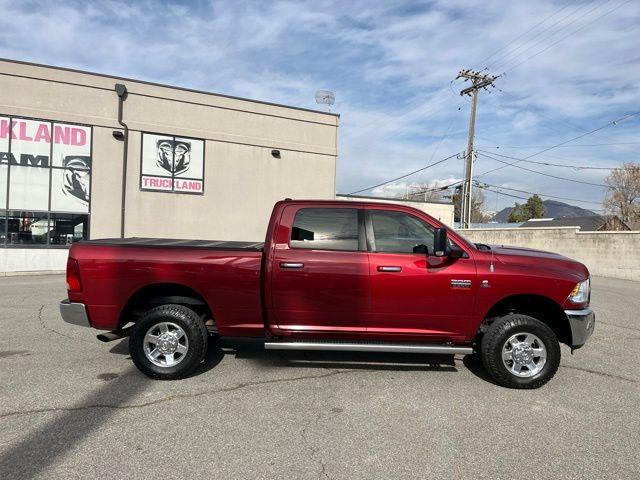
(369,347)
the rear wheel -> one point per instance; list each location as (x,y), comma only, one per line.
(168,342)
(520,351)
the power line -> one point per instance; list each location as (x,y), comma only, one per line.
(553,33)
(613,122)
(480,184)
(406,175)
(515,66)
(436,189)
(575,167)
(445,135)
(570,34)
(531,45)
(541,173)
(563,18)
(525,198)
(521,35)
(564,123)
(442,101)
(562,146)
(547,155)
(501,193)
(436,107)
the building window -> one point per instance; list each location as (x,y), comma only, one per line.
(45,181)
(27,228)
(43,228)
(66,228)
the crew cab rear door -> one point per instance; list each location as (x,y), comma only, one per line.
(320,271)
(412,294)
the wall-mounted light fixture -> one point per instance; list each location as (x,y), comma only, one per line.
(275,153)
(118,135)
(121,91)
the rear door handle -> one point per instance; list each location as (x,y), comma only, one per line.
(389,268)
(291,265)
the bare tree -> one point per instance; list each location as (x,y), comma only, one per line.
(477,205)
(424,192)
(623,196)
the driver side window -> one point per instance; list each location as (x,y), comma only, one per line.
(397,232)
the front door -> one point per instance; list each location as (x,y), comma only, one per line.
(415,296)
(320,276)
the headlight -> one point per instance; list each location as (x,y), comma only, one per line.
(581,292)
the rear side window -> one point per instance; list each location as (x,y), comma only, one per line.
(325,229)
(397,232)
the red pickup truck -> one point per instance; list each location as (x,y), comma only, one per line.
(334,275)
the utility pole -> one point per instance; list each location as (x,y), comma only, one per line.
(478,81)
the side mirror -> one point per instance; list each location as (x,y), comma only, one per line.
(440,242)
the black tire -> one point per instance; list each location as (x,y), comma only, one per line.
(497,335)
(195,333)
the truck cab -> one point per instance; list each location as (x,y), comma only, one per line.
(367,271)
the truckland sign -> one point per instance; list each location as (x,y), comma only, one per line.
(47,165)
(172,164)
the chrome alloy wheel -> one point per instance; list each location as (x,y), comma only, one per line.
(524,355)
(165,344)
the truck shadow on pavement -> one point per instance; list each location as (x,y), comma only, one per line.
(214,355)
(70,426)
(253,349)
(473,363)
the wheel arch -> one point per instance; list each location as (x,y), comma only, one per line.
(537,306)
(157,294)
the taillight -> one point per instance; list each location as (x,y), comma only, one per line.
(73,276)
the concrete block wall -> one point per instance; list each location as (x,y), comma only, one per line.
(607,254)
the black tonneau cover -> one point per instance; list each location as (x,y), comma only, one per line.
(175,243)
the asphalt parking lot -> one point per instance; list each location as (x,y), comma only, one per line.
(72,407)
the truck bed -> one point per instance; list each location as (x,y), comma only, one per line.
(225,274)
(175,243)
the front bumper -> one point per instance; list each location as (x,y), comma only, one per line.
(582,323)
(74,313)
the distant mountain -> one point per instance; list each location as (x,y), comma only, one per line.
(553,209)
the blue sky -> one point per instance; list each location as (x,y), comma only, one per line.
(391,66)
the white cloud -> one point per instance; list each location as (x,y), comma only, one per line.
(390,65)
(398,189)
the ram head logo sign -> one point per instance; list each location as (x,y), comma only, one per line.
(76,177)
(174,155)
(172,164)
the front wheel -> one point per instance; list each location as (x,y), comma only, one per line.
(520,351)
(168,342)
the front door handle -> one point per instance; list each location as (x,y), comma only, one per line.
(389,268)
(291,265)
